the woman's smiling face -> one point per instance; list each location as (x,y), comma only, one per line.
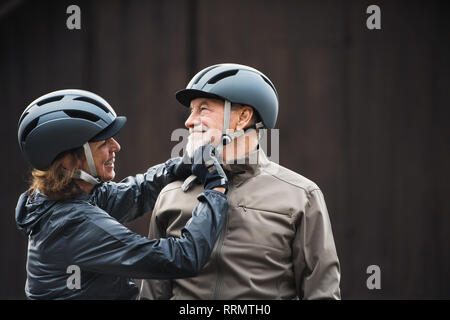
(104,153)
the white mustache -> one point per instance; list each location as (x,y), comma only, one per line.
(200,128)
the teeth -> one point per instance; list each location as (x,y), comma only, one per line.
(109,162)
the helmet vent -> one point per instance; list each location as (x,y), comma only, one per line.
(222,75)
(22,117)
(81,115)
(28,129)
(48,100)
(270,84)
(95,102)
(203,73)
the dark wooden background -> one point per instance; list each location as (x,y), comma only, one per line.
(364,114)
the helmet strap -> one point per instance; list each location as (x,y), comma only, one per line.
(89,159)
(258,126)
(91,178)
(228,138)
(80,174)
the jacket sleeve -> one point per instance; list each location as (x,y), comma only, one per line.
(316,264)
(154,289)
(101,244)
(134,195)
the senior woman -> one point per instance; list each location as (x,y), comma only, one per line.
(72,212)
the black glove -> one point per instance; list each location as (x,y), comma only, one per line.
(180,168)
(207,168)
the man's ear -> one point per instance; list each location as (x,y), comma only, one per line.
(245,115)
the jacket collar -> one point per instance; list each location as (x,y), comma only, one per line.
(240,170)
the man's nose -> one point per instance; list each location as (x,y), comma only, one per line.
(192,120)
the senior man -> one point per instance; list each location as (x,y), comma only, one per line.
(277,242)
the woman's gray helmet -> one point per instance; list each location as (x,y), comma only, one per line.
(64,120)
(234,83)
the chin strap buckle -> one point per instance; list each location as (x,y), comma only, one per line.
(80,174)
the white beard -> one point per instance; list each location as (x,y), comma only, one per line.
(198,138)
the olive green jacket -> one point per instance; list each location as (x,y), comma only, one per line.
(277,242)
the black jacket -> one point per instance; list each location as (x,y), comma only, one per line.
(86,234)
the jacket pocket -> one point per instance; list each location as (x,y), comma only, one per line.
(263,228)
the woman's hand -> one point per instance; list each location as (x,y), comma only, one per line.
(208,170)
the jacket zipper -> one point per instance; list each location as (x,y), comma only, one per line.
(218,252)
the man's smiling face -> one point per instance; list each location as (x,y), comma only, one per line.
(205,123)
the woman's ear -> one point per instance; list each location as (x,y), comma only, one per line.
(245,115)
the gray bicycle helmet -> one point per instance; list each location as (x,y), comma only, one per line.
(237,84)
(63,120)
